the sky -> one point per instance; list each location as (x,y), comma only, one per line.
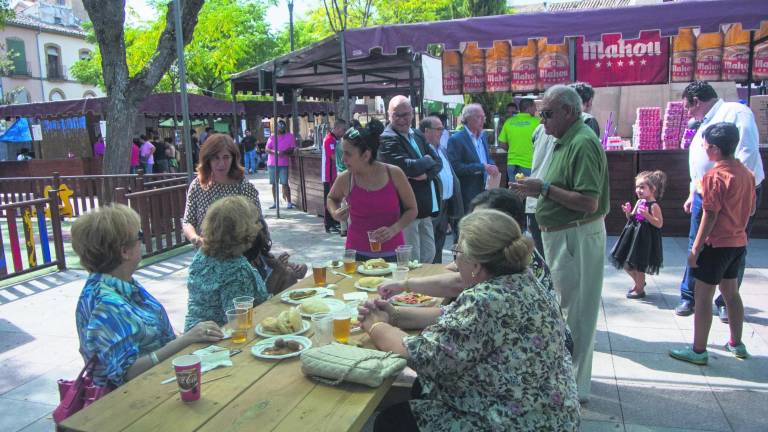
(277,15)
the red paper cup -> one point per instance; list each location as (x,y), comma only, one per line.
(188,376)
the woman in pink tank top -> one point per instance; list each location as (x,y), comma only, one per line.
(375,196)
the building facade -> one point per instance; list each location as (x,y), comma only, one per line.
(46,39)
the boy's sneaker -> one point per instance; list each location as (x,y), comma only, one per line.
(740,350)
(687,354)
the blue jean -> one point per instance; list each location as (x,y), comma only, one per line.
(250,161)
(514,169)
(148,168)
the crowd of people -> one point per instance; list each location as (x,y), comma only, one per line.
(513,348)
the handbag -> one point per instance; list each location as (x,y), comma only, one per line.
(334,363)
(78,394)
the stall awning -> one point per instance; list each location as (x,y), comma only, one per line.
(264,109)
(668,18)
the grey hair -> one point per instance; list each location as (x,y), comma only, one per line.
(470,110)
(565,95)
(427,123)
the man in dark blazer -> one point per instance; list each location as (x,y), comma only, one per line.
(469,155)
(408,149)
(451,204)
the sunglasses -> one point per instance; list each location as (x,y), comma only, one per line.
(546,114)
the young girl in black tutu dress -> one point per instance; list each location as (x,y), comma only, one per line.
(638,250)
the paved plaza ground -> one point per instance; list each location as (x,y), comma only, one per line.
(636,385)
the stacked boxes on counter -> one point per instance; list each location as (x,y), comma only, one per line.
(674,125)
(647,128)
(687,138)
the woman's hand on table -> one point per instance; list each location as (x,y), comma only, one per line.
(385,233)
(375,311)
(391,288)
(197,241)
(206,331)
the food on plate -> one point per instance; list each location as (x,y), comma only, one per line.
(376,263)
(287,322)
(335,263)
(370,282)
(412,298)
(519,176)
(300,295)
(310,307)
(283,347)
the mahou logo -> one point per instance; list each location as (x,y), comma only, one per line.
(619,50)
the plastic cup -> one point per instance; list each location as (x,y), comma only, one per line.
(188,375)
(322,324)
(404,255)
(319,274)
(237,319)
(350,262)
(400,274)
(245,302)
(341,325)
(374,243)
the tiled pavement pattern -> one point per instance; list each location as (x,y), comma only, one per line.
(636,385)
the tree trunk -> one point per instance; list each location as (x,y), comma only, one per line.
(124,93)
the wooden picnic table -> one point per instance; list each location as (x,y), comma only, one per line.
(253,395)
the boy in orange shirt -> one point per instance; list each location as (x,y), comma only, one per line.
(728,200)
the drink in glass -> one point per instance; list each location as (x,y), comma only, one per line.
(237,320)
(322,323)
(400,274)
(350,264)
(318,273)
(375,244)
(245,302)
(403,255)
(341,325)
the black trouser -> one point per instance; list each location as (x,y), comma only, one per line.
(440,225)
(330,222)
(759,197)
(398,417)
(533,228)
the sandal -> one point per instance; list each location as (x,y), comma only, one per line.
(633,295)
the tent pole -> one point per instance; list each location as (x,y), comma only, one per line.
(347,105)
(183,90)
(276,185)
(749,65)
(412,94)
(235,129)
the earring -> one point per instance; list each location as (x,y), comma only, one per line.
(473,275)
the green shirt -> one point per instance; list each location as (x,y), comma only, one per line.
(578,164)
(340,167)
(517,132)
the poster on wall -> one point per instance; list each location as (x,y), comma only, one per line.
(615,61)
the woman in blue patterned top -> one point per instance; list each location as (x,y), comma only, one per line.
(118,321)
(493,359)
(219,272)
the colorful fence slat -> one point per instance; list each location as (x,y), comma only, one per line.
(3,264)
(29,237)
(43,229)
(13,237)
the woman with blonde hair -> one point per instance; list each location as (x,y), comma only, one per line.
(119,323)
(494,358)
(219,272)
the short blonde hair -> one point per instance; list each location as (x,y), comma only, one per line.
(493,239)
(99,236)
(230,226)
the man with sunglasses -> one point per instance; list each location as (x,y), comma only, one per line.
(704,106)
(573,201)
(408,149)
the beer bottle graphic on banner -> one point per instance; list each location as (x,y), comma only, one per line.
(709,56)
(683,56)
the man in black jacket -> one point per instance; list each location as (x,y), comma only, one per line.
(408,149)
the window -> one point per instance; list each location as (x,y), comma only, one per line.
(20,95)
(84,54)
(56,95)
(53,62)
(20,58)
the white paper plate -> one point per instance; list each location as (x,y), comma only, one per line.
(320,292)
(376,272)
(257,349)
(333,304)
(360,287)
(263,333)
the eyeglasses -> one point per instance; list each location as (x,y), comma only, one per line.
(402,114)
(140,236)
(456,251)
(440,129)
(546,114)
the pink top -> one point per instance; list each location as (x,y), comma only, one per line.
(134,155)
(285,142)
(371,210)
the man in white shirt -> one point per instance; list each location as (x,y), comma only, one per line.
(704,106)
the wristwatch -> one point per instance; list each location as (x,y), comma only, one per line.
(545,189)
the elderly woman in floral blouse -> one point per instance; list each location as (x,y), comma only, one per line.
(494,358)
(219,272)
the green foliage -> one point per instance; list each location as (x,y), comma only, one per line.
(412,11)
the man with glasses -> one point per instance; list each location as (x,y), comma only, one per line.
(703,105)
(573,201)
(408,149)
(451,207)
(469,155)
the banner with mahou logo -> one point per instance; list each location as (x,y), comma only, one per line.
(616,61)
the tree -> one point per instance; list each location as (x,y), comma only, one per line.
(125,91)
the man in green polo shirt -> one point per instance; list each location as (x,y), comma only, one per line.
(515,138)
(573,201)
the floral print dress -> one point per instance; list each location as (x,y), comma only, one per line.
(494,361)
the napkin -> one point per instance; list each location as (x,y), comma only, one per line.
(213,357)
